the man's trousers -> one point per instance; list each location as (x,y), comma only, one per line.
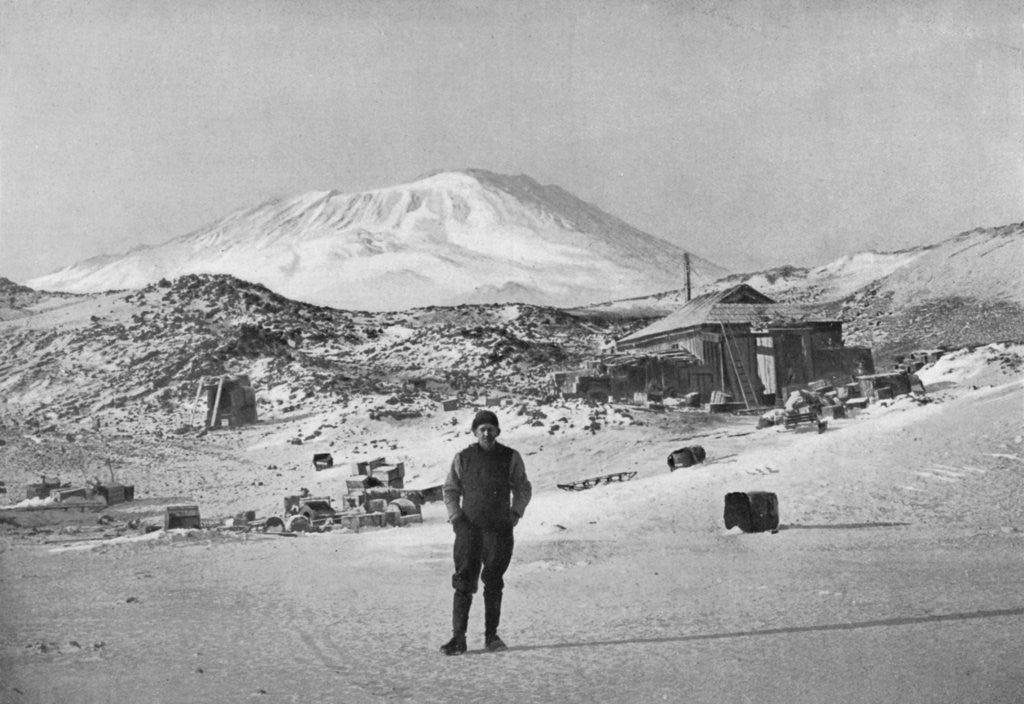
(480,555)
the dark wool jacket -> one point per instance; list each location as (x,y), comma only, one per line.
(488,487)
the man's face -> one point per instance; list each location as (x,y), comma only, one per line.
(486,435)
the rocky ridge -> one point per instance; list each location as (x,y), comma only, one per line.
(150,348)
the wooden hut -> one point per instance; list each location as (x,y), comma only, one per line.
(743,345)
(231,399)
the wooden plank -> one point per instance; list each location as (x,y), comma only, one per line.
(195,402)
(216,405)
(79,539)
(280,535)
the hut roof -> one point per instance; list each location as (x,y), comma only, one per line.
(229,381)
(738,305)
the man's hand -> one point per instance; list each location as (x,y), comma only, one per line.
(457,520)
(515,519)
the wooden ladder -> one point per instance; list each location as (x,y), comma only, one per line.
(742,377)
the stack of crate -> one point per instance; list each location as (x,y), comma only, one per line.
(389,475)
(43,488)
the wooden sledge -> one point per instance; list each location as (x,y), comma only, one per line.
(582,484)
(794,418)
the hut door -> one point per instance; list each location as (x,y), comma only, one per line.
(766,364)
(714,361)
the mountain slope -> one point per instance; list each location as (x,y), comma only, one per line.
(17,301)
(984,264)
(966,290)
(449,238)
(981,264)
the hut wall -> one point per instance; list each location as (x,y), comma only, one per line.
(792,365)
(858,361)
(701,382)
(714,360)
(694,344)
(812,353)
(828,365)
(773,360)
(627,380)
(665,376)
(682,378)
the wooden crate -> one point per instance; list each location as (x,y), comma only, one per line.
(181,517)
(365,467)
(61,495)
(357,521)
(356,484)
(376,505)
(115,493)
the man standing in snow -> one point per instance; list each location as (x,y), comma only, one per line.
(486,494)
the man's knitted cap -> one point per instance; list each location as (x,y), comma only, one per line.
(484,418)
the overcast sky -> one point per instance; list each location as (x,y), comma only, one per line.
(754,134)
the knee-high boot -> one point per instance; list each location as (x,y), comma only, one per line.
(492,612)
(460,613)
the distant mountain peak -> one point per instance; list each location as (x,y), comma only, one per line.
(450,236)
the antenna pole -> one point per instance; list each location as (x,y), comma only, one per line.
(686,262)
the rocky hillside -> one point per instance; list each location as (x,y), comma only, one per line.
(148,349)
(17,301)
(966,290)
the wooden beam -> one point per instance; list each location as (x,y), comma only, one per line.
(216,404)
(195,402)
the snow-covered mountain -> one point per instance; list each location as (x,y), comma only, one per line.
(980,264)
(449,238)
(984,264)
(965,290)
